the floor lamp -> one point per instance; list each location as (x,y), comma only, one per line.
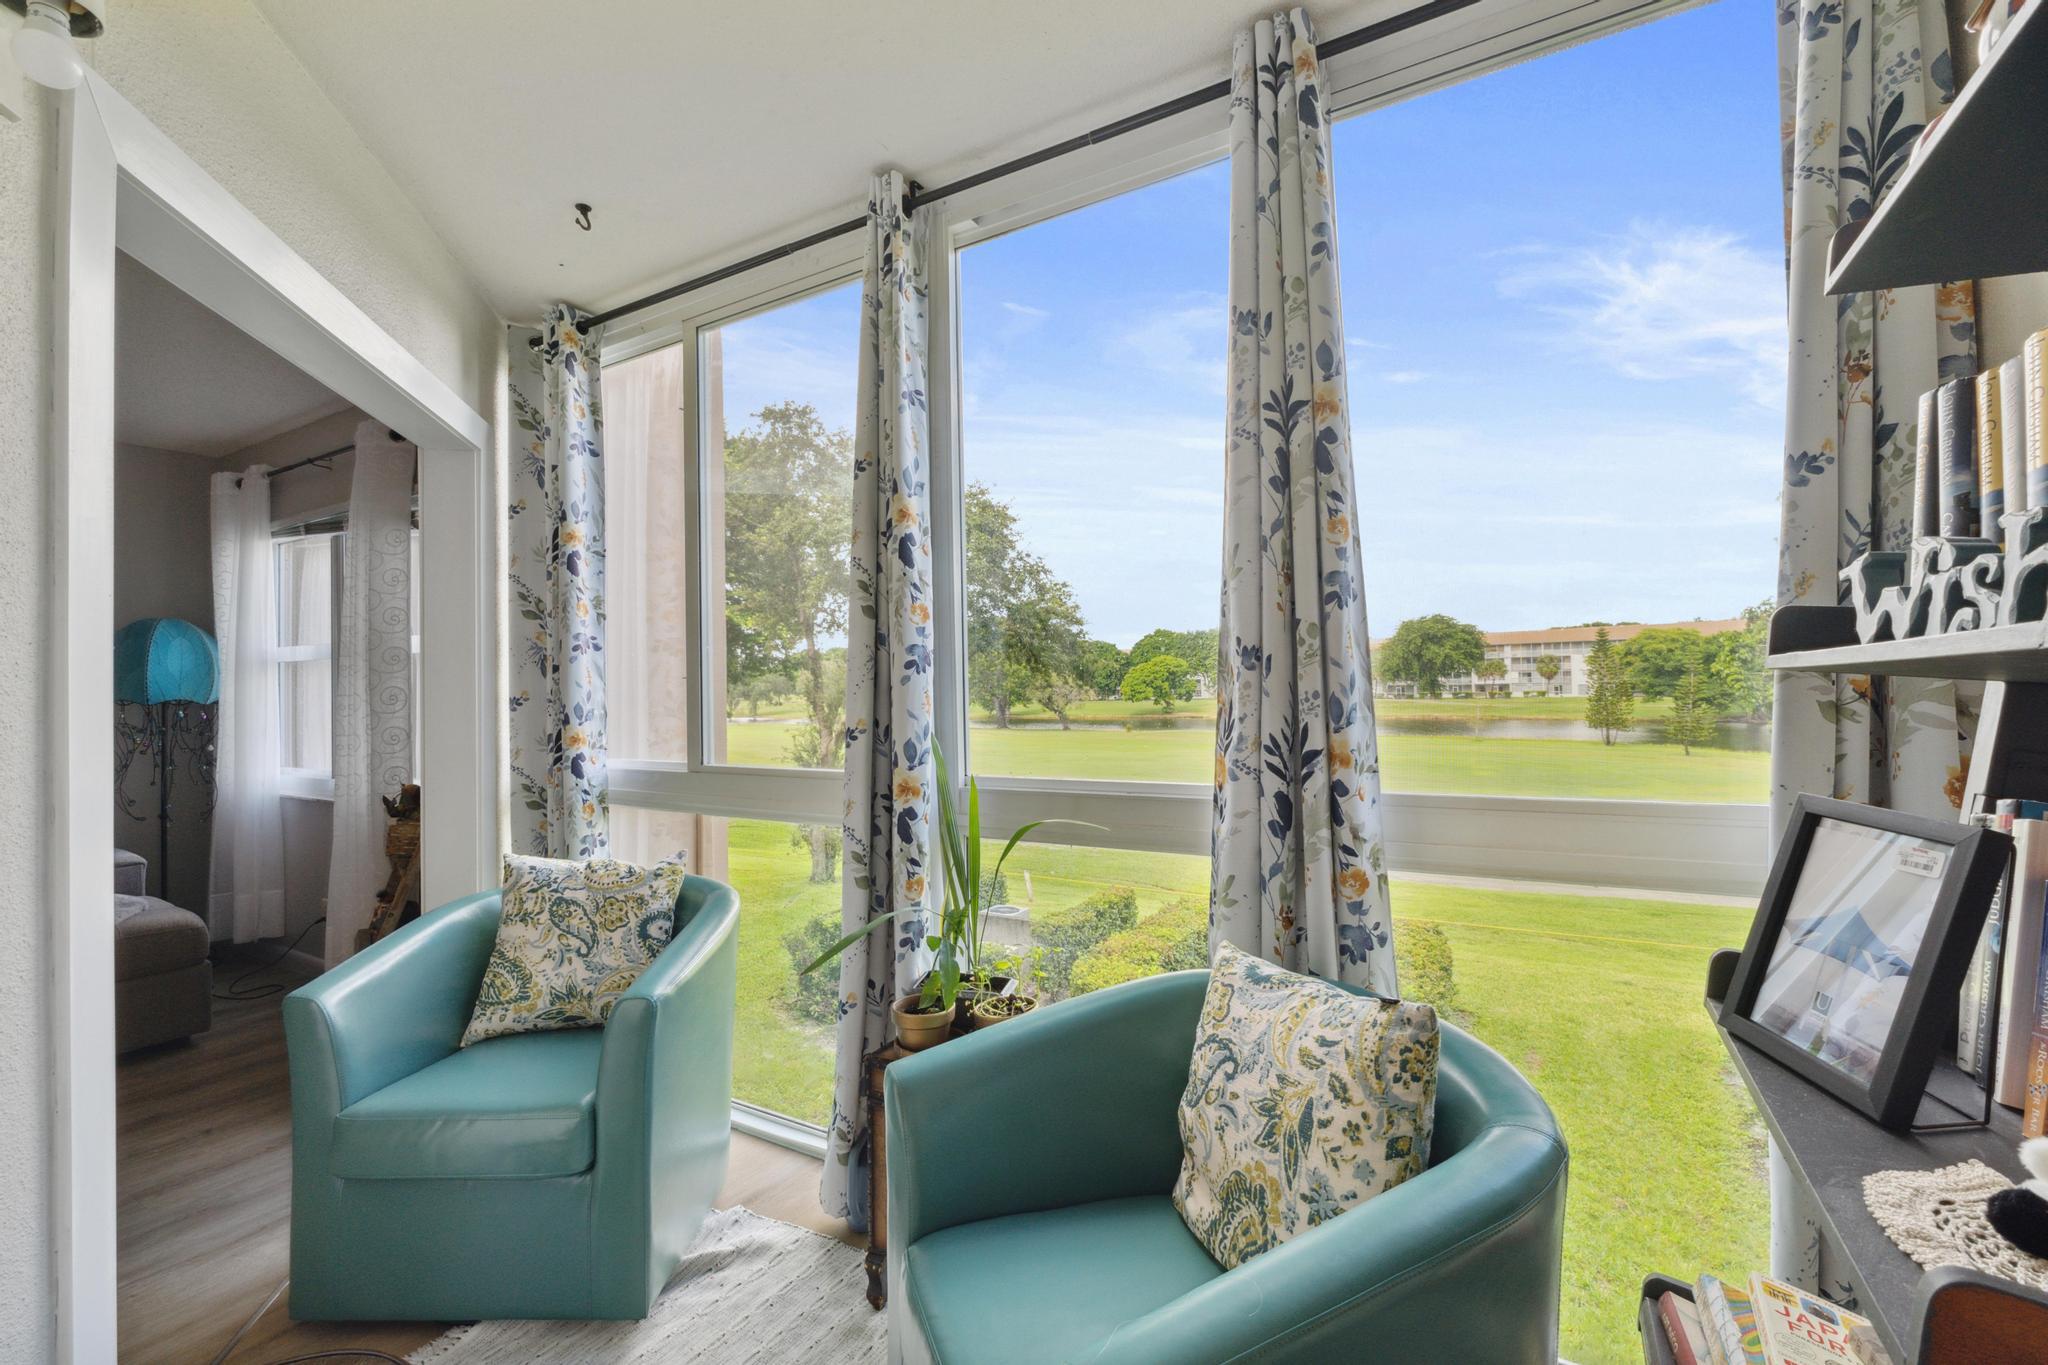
(170,669)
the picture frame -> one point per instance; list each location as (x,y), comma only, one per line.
(1859,947)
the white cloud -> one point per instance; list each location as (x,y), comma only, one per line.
(1025,310)
(1659,302)
(1186,341)
(1404,376)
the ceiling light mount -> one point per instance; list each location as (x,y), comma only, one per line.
(44,46)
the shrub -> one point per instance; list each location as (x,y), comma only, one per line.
(1422,954)
(815,998)
(1067,933)
(1170,940)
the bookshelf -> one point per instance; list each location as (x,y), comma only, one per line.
(1966,208)
(1951,215)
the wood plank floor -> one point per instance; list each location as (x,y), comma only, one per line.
(205,1198)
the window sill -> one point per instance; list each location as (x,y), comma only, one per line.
(305,784)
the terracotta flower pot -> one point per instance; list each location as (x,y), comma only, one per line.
(915,1030)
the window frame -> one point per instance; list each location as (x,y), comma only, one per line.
(317,784)
(1677,847)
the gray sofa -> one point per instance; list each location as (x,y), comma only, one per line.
(163,982)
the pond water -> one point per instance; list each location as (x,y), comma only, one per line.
(1738,735)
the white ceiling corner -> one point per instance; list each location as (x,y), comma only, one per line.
(702,133)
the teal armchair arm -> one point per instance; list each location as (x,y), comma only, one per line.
(1063,1106)
(664,1102)
(393,1009)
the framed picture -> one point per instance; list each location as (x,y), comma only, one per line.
(1859,949)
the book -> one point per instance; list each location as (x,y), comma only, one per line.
(1681,1321)
(2034,374)
(1956,450)
(1926,470)
(2012,432)
(1990,457)
(1729,1321)
(1798,1328)
(2020,981)
(2034,1116)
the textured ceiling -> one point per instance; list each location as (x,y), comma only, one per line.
(187,379)
(701,132)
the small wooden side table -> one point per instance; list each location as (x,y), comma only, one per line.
(871,1067)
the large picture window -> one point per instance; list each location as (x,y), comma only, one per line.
(1568,407)
(1091,362)
(778,437)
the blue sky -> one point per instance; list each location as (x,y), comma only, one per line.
(1564,303)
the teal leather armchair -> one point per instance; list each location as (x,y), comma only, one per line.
(542,1175)
(1031,1168)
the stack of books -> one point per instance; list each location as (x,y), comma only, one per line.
(1763,1323)
(1981,451)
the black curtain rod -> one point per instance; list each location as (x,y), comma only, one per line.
(1194,99)
(314,459)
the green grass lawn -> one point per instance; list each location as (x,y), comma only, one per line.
(1595,999)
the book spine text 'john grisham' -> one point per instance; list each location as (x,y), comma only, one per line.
(1958,448)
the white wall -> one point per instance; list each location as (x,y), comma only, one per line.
(217,80)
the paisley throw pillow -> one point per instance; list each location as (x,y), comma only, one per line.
(1303,1101)
(572,938)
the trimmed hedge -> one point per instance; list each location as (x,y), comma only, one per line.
(1066,934)
(814,998)
(1171,940)
(1423,956)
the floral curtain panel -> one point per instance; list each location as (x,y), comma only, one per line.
(1858,80)
(1857,83)
(889,763)
(555,547)
(1298,868)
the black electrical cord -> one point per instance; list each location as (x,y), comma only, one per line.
(347,1353)
(269,988)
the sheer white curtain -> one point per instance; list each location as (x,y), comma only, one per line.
(245,898)
(373,679)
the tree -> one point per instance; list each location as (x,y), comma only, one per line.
(1491,670)
(1426,650)
(756,690)
(1023,624)
(786,518)
(1737,673)
(1163,678)
(1692,719)
(1657,658)
(1060,693)
(1548,666)
(1102,667)
(1610,706)
(1197,648)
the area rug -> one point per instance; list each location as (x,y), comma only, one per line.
(752,1289)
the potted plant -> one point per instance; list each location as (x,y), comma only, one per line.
(962,966)
(1020,999)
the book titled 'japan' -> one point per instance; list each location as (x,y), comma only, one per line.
(1803,1329)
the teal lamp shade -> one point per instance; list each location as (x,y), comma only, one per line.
(160,659)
